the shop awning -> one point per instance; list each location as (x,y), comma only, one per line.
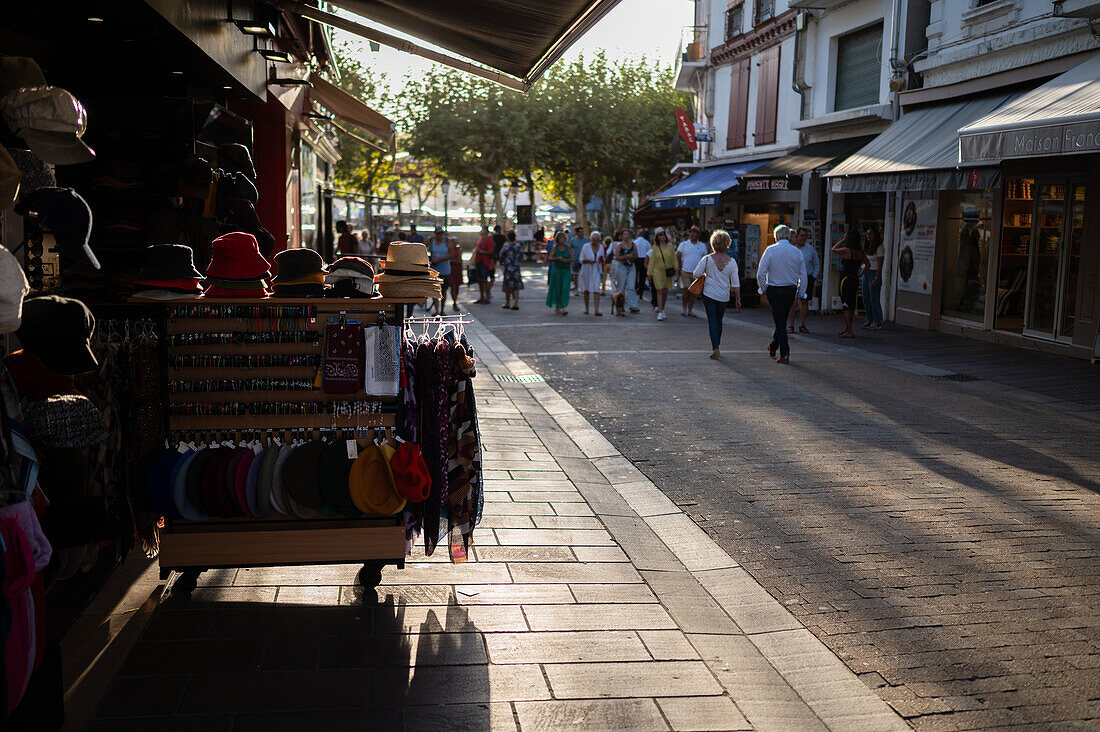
(704,187)
(1061,117)
(350,109)
(518,38)
(919,152)
(786,173)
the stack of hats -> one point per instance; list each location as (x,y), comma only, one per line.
(168,273)
(237,269)
(407,273)
(301,274)
(351,276)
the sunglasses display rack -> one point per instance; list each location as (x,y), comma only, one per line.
(247,369)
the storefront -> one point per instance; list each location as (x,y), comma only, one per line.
(697,199)
(1043,275)
(933,216)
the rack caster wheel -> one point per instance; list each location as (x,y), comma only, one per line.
(183,585)
(370,576)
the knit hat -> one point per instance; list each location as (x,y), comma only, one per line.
(410,472)
(36,173)
(64,421)
(13,288)
(57,330)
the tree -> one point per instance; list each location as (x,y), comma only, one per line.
(362,168)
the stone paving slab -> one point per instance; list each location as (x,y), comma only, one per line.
(594,603)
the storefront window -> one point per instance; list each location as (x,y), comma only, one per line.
(1075,236)
(308,179)
(966,239)
(1015,251)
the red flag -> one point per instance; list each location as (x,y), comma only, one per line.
(687,129)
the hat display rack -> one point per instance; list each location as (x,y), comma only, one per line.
(248,372)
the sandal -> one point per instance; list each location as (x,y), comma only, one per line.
(847,335)
(515,307)
(790,329)
(803,329)
(599,315)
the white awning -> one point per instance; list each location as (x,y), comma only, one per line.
(1061,117)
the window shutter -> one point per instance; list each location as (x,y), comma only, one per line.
(739,105)
(858,68)
(767,97)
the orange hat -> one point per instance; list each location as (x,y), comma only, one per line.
(371,483)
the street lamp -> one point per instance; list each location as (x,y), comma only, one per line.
(446,189)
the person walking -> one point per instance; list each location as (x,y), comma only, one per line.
(440,252)
(484,265)
(588,281)
(688,256)
(346,244)
(576,244)
(605,273)
(511,258)
(455,280)
(643,247)
(781,276)
(721,281)
(662,268)
(813,271)
(623,271)
(561,257)
(852,260)
(872,280)
(414,235)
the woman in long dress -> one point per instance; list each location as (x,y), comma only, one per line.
(511,259)
(588,281)
(623,272)
(561,274)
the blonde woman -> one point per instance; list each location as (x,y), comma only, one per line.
(662,268)
(722,281)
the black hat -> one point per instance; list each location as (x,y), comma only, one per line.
(57,331)
(333,471)
(235,158)
(195,178)
(168,262)
(63,213)
(294,264)
(300,474)
(236,185)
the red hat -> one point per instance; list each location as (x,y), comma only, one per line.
(410,472)
(236,256)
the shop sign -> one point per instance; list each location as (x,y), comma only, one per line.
(1080,137)
(687,202)
(704,133)
(686,128)
(918,245)
(767,184)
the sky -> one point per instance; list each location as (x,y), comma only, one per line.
(634,28)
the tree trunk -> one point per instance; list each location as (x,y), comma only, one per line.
(481,204)
(580,202)
(498,205)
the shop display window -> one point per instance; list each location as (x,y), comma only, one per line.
(967,235)
(1041,241)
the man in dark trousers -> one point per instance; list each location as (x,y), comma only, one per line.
(781,276)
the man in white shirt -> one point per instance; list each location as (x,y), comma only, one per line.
(689,254)
(644,248)
(781,276)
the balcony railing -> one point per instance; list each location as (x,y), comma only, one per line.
(693,47)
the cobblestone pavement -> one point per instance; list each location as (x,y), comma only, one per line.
(594,603)
(940,536)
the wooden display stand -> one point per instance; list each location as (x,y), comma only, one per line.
(190,547)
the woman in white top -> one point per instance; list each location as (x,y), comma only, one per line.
(588,281)
(721,280)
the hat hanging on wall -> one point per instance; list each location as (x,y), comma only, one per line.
(13,288)
(57,330)
(10,177)
(50,120)
(36,172)
(66,215)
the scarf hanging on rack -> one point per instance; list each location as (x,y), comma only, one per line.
(343,369)
(383,361)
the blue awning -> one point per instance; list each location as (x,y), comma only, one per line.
(705,187)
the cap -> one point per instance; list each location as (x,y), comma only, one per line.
(57,330)
(65,214)
(51,121)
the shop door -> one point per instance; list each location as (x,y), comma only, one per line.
(1040,252)
(1052,270)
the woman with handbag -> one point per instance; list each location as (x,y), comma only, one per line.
(623,272)
(716,278)
(662,268)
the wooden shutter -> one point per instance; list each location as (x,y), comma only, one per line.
(858,68)
(739,105)
(767,96)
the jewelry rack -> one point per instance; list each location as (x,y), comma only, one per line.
(212,346)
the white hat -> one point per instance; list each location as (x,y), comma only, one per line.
(51,121)
(13,288)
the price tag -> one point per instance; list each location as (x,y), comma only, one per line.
(353,449)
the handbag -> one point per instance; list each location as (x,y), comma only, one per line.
(697,286)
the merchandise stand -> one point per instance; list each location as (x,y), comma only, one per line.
(247,371)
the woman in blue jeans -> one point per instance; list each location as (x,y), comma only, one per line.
(722,280)
(872,280)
